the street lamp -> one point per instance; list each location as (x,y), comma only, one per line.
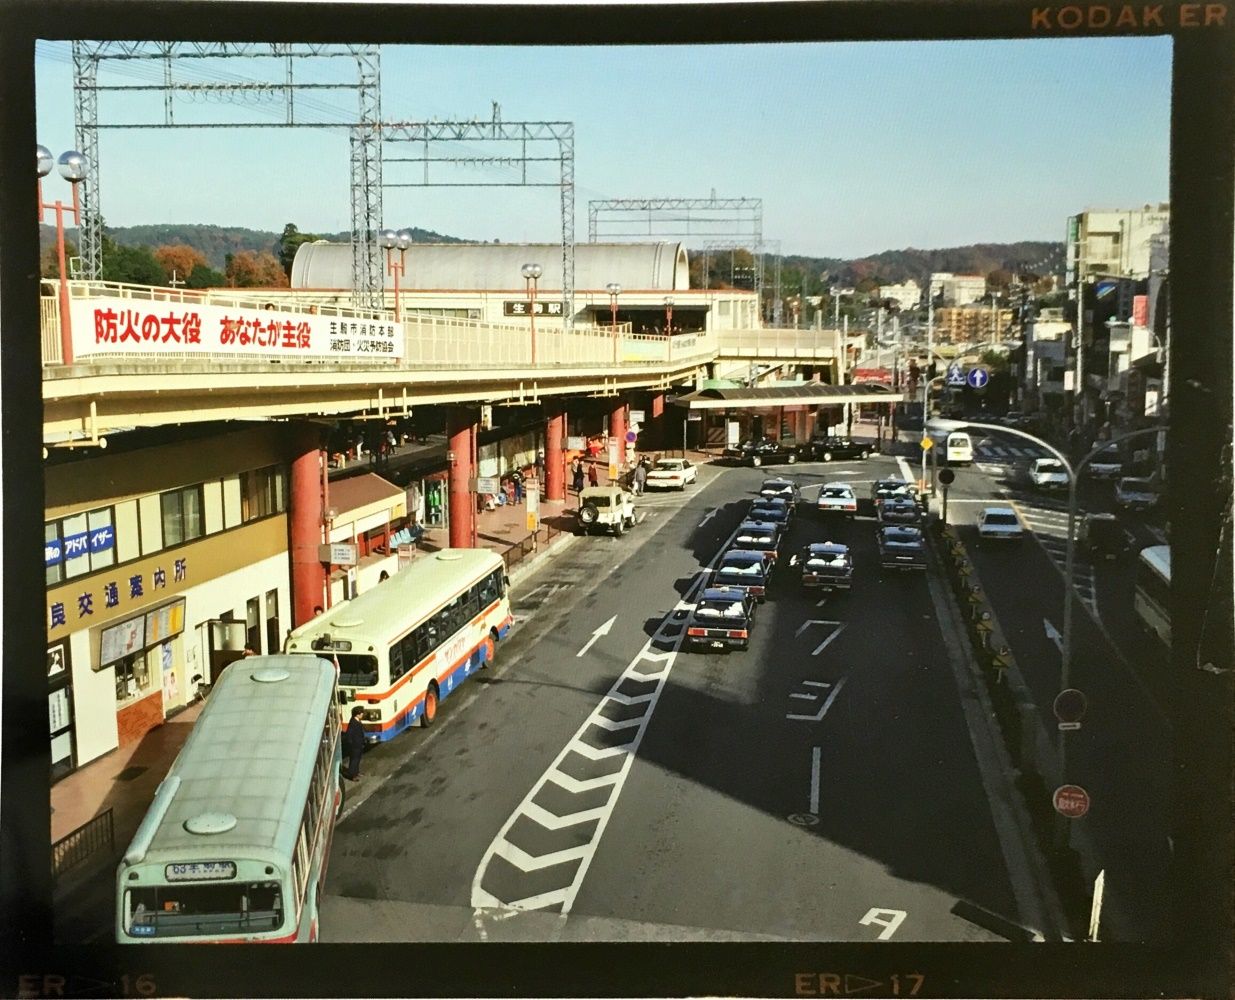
(669,314)
(531,272)
(72,167)
(614,290)
(391,240)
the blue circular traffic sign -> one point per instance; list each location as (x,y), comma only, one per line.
(977,378)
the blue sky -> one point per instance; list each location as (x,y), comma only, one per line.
(853,147)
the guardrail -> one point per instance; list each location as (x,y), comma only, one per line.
(78,847)
(520,550)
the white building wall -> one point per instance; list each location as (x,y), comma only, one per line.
(94,702)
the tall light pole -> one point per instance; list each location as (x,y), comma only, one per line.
(391,240)
(531,272)
(669,314)
(72,167)
(614,290)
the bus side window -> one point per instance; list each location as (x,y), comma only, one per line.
(488,590)
(397,668)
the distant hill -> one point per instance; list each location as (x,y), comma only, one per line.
(216,242)
(894,266)
(888,267)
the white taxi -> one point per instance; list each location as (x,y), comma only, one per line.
(671,474)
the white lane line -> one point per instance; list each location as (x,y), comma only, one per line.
(822,601)
(819,649)
(814,781)
(826,705)
(906,472)
(817,684)
(805,697)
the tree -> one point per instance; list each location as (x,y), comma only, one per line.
(249,269)
(49,264)
(999,278)
(289,243)
(133,265)
(204,276)
(179,259)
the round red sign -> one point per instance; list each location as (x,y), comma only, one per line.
(1071,801)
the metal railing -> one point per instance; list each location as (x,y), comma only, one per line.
(778,342)
(520,550)
(78,847)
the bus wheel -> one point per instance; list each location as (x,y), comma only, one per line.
(490,652)
(430,709)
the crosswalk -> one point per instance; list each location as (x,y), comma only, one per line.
(1001,454)
(1051,529)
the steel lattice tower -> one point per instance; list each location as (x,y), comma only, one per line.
(366,168)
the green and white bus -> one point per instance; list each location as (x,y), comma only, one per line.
(235,844)
(413,639)
(1152,600)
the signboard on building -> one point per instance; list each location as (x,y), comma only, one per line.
(118,641)
(1140,310)
(541,307)
(128,327)
(880,375)
(533,508)
(574,443)
(338,553)
(488,484)
(636,418)
(613,460)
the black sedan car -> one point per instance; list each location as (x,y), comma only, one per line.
(886,489)
(900,510)
(780,488)
(825,566)
(761,451)
(771,509)
(759,536)
(831,449)
(901,547)
(722,619)
(744,569)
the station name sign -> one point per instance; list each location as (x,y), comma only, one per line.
(541,307)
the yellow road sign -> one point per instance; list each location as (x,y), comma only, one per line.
(927,443)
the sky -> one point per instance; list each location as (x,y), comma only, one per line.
(852,147)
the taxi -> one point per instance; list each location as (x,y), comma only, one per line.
(721,619)
(825,566)
(760,536)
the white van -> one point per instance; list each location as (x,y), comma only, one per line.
(959,449)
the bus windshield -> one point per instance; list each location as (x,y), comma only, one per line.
(219,908)
(357,670)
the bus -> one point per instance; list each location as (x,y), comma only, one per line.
(235,844)
(413,639)
(1152,601)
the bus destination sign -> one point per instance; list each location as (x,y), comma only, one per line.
(200,871)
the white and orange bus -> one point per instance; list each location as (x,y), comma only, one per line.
(234,846)
(413,639)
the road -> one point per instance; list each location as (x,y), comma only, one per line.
(823,785)
(1122,753)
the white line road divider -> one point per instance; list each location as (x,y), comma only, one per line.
(814,780)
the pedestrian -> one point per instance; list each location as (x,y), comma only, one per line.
(576,475)
(540,469)
(517,477)
(592,478)
(383,577)
(317,610)
(641,476)
(353,743)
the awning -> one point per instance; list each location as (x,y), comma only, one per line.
(806,393)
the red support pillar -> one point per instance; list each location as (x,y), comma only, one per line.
(461,444)
(555,465)
(305,494)
(617,429)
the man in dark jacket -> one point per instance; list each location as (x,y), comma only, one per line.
(353,743)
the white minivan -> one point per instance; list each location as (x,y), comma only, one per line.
(958,449)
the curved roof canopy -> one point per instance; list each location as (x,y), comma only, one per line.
(489,266)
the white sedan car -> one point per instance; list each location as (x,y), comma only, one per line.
(999,524)
(1049,474)
(837,498)
(671,474)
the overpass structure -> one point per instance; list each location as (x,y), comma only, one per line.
(148,357)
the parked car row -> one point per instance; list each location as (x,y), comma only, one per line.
(765,451)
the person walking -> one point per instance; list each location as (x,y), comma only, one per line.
(641,477)
(576,475)
(592,478)
(517,479)
(353,743)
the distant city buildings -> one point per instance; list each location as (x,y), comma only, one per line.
(907,295)
(956,289)
(971,324)
(1114,242)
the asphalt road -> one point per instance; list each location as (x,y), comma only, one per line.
(1122,753)
(822,785)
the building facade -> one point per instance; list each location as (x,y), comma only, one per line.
(162,565)
(956,289)
(971,324)
(907,295)
(1114,242)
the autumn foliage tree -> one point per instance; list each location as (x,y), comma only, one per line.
(255,269)
(179,259)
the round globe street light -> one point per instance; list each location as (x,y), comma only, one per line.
(614,290)
(72,167)
(669,315)
(531,273)
(390,240)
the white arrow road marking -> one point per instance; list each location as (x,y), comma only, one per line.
(805,696)
(708,516)
(826,705)
(482,899)
(819,649)
(614,727)
(526,863)
(1052,633)
(575,785)
(889,920)
(551,821)
(814,621)
(814,780)
(601,630)
(627,699)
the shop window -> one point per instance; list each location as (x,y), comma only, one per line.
(132,677)
(181,515)
(78,544)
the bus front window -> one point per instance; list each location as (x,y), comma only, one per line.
(356,670)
